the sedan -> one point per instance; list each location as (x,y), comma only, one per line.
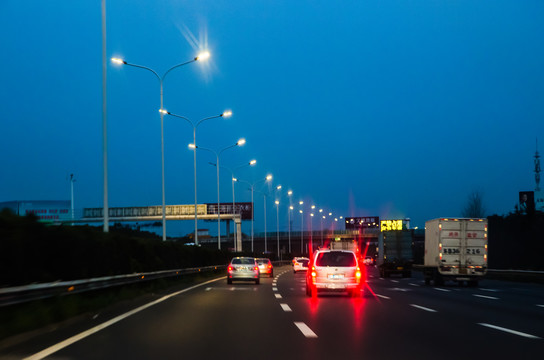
(265,267)
(243,268)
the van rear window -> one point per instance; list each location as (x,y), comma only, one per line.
(336,258)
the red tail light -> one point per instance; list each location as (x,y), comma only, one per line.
(256,268)
(270,266)
(230,268)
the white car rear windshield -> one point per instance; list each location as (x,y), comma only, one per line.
(243,261)
(335,258)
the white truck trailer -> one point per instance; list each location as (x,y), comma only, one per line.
(455,249)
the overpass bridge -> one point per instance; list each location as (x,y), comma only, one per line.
(172,212)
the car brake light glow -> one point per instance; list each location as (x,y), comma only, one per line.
(358,273)
(256,268)
(230,268)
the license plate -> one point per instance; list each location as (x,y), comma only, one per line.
(336,276)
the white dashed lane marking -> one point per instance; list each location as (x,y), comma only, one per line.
(383,296)
(486,297)
(423,308)
(304,329)
(519,333)
(278,296)
(286,307)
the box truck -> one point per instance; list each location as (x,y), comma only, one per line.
(455,249)
(395,253)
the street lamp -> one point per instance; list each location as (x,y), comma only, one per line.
(202,56)
(289,193)
(252,187)
(278,225)
(251,163)
(320,211)
(225,114)
(289,221)
(217,155)
(301,231)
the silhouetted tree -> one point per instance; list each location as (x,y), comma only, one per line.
(474,207)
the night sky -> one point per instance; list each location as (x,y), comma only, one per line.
(366,108)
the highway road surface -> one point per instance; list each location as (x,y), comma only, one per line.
(395,318)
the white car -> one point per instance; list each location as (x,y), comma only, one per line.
(243,268)
(334,271)
(300,264)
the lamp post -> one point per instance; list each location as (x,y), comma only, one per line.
(225,114)
(322,217)
(301,232)
(289,209)
(217,155)
(289,222)
(264,208)
(278,225)
(202,56)
(276,190)
(252,187)
(233,180)
(311,231)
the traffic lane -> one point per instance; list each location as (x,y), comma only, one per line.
(218,320)
(487,304)
(359,326)
(490,318)
(352,328)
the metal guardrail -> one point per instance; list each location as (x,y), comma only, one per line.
(21,294)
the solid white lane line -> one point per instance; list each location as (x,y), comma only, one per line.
(383,296)
(519,333)
(423,308)
(539,305)
(278,296)
(286,307)
(486,297)
(304,329)
(440,289)
(53,349)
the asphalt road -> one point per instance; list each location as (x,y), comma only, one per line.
(395,318)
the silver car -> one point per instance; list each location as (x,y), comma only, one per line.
(334,270)
(243,268)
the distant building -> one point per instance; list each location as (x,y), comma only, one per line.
(45,210)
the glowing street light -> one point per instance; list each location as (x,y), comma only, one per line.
(202,56)
(252,187)
(217,155)
(278,225)
(224,114)
(237,247)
